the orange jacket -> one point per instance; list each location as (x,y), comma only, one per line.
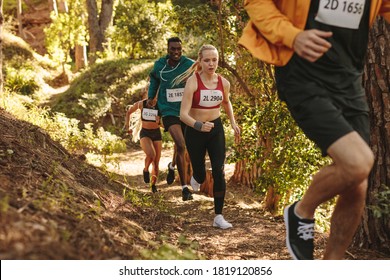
(274,24)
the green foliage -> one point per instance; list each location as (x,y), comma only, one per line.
(24,71)
(66,31)
(381,202)
(141,28)
(168,251)
(65,130)
(271,140)
(197,25)
(21,81)
(105,88)
(4,203)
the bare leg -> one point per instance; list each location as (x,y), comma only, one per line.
(174,156)
(348,211)
(157,147)
(178,138)
(148,148)
(347,177)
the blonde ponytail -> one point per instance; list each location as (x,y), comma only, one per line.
(185,75)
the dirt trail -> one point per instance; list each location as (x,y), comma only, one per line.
(255,234)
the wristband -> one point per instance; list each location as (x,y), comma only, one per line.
(198,125)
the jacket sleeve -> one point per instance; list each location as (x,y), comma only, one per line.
(154,83)
(274,25)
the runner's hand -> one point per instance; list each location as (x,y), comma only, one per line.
(149,103)
(312,44)
(207,126)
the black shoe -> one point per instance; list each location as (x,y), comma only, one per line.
(170,175)
(154,189)
(187,195)
(146,177)
(299,235)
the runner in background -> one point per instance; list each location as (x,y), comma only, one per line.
(169,97)
(149,135)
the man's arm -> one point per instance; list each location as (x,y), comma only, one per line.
(154,84)
(280,30)
(272,23)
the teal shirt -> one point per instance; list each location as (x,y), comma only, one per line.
(161,77)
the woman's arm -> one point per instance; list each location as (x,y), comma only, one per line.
(186,101)
(227,105)
(132,109)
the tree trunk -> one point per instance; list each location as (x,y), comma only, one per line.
(1,51)
(106,16)
(97,25)
(80,57)
(19,17)
(53,6)
(374,231)
(63,6)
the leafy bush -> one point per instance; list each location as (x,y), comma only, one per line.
(65,130)
(272,141)
(381,207)
(105,88)
(21,81)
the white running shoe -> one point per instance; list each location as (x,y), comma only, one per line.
(194,184)
(220,222)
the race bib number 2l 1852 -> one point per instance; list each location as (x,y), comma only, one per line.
(341,13)
(175,94)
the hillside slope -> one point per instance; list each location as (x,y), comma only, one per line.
(56,206)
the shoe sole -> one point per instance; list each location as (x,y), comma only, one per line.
(187,198)
(170,180)
(290,250)
(146,179)
(217,226)
(195,186)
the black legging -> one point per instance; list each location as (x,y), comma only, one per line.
(214,143)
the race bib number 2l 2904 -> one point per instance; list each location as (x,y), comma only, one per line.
(341,13)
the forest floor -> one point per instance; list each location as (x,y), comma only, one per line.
(256,234)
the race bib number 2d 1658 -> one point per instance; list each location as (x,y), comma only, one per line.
(341,13)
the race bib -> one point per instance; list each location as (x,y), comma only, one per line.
(341,13)
(210,97)
(175,94)
(149,114)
